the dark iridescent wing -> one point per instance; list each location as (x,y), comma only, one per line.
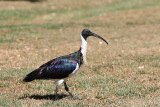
(58,68)
(69,57)
(48,63)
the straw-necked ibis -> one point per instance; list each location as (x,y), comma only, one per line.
(62,68)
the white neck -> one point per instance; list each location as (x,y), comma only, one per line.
(83,48)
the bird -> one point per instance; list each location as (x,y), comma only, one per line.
(63,67)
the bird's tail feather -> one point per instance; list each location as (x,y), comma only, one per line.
(32,76)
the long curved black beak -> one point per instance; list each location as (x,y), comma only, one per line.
(95,35)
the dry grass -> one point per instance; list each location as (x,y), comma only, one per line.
(124,73)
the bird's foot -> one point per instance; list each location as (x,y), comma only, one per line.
(56,97)
(75,97)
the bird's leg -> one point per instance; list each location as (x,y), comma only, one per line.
(67,89)
(56,95)
(57,87)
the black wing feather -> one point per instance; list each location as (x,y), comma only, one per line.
(59,68)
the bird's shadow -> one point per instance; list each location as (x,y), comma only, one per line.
(46,97)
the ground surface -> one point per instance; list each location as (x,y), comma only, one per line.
(124,73)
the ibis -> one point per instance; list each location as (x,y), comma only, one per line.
(63,67)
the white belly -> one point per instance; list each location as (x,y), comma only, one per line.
(75,71)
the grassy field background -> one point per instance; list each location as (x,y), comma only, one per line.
(124,73)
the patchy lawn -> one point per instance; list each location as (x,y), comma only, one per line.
(124,73)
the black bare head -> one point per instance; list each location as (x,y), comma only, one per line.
(86,33)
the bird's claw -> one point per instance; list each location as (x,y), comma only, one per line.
(76,98)
(56,97)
